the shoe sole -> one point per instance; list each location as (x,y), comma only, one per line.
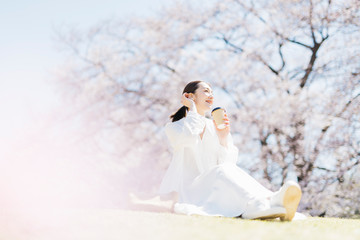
(272,216)
(291,201)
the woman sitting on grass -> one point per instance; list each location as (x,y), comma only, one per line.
(203,177)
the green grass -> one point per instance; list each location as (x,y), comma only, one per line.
(103,224)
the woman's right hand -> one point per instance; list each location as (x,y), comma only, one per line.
(187,101)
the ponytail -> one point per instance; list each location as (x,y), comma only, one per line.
(181,113)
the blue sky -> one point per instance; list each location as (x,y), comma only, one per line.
(28,52)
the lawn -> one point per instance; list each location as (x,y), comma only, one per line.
(103,224)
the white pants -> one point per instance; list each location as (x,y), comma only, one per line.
(225,190)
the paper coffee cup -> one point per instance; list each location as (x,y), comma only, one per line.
(218,116)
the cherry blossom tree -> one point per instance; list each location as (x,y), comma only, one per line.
(287,72)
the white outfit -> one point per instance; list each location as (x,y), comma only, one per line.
(205,174)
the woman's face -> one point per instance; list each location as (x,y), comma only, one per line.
(203,98)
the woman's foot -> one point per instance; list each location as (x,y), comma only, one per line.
(287,197)
(260,208)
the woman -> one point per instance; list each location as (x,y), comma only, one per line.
(203,172)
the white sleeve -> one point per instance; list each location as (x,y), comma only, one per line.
(228,154)
(186,134)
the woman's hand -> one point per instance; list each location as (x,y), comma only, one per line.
(223,133)
(187,101)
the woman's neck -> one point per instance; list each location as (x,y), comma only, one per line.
(201,112)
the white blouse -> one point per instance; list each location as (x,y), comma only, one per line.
(193,156)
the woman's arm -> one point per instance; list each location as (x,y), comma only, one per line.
(227,151)
(185,133)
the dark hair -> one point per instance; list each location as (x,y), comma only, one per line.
(181,113)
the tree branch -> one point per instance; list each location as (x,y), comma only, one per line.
(227,42)
(326,128)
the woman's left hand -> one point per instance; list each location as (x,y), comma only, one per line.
(223,133)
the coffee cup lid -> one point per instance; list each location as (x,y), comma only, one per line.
(217,109)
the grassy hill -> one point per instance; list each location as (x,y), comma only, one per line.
(104,224)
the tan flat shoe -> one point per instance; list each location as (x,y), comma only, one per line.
(291,201)
(287,197)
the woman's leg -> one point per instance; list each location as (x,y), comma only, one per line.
(264,203)
(155,204)
(230,191)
